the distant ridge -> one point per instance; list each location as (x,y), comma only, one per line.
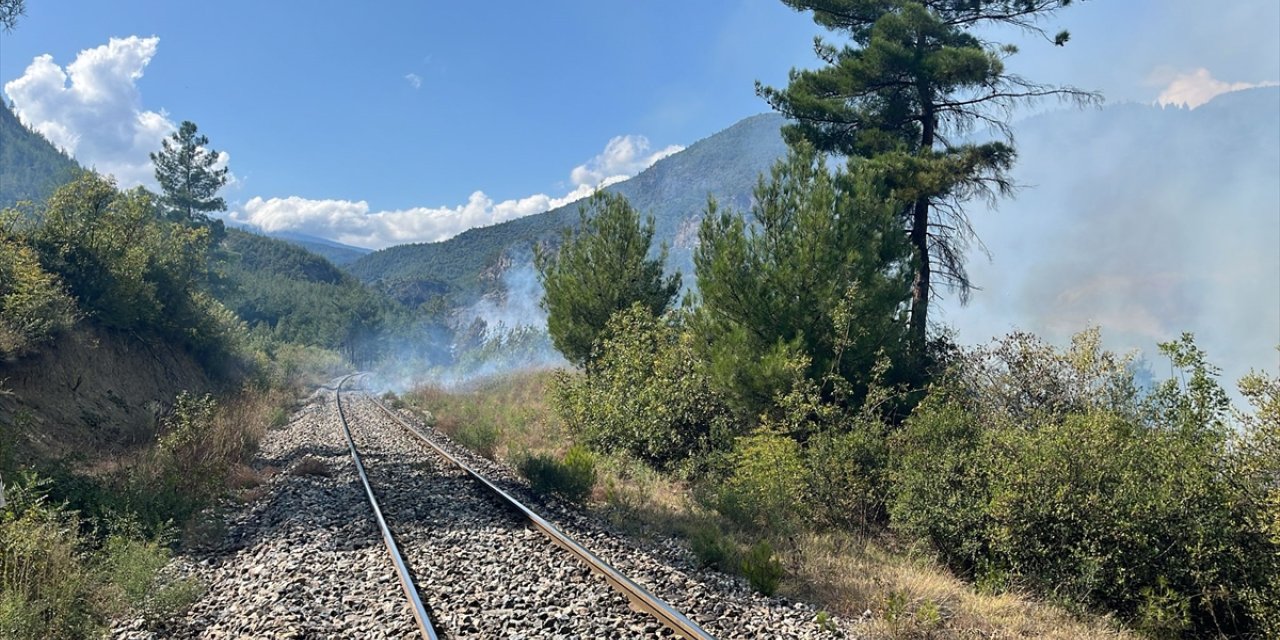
(336,252)
(674,191)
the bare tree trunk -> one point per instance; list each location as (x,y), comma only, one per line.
(919,322)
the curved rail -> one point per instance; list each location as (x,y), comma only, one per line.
(639,597)
(402,570)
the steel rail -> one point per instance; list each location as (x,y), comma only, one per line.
(640,598)
(402,570)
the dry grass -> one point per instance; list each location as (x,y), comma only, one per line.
(912,597)
(509,415)
(909,596)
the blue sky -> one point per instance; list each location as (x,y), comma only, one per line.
(415,120)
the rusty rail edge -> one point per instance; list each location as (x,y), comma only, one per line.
(402,570)
(640,598)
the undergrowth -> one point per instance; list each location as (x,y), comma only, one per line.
(81,545)
(897,589)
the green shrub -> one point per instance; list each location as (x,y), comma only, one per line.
(1127,504)
(712,548)
(845,477)
(765,484)
(33,305)
(58,581)
(571,478)
(278,417)
(130,565)
(762,569)
(646,395)
(44,580)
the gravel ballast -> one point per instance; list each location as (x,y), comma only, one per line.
(305,559)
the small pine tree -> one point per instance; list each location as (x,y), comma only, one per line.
(601,269)
(814,274)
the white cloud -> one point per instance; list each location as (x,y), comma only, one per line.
(93,108)
(414,80)
(622,158)
(1198,87)
(352,222)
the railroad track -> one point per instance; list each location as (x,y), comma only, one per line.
(408,566)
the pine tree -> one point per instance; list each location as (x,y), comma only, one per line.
(915,78)
(599,270)
(815,275)
(185,169)
(10,11)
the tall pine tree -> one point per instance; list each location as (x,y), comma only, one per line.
(914,79)
(185,169)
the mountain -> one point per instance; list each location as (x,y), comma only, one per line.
(30,166)
(335,252)
(674,191)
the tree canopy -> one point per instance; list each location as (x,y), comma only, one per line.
(602,268)
(189,176)
(914,79)
(815,275)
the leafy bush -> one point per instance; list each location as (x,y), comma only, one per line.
(646,396)
(762,570)
(43,574)
(481,437)
(1257,464)
(845,477)
(1101,499)
(711,547)
(845,451)
(33,305)
(571,478)
(56,580)
(765,483)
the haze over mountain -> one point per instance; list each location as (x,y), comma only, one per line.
(334,252)
(1146,220)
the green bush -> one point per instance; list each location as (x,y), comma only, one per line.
(647,394)
(711,547)
(33,305)
(58,581)
(571,478)
(44,579)
(765,483)
(762,569)
(845,451)
(1257,464)
(1121,502)
(845,477)
(481,437)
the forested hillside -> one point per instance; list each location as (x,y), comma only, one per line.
(674,191)
(30,167)
(292,295)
